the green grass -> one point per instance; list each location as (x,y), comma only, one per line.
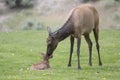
(19,50)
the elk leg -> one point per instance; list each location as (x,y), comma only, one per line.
(71,50)
(89,42)
(97,45)
(78,51)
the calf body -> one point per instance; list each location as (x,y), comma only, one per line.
(41,65)
(82,20)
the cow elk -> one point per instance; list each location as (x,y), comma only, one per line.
(82,21)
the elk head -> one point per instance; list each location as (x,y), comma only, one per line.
(52,42)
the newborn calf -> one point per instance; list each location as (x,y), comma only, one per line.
(41,65)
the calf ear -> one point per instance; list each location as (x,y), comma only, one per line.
(51,56)
(49,30)
(42,55)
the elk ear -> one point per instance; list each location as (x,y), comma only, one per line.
(49,30)
(42,55)
(51,56)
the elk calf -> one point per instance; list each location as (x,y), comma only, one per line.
(41,65)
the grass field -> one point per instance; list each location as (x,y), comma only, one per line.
(19,50)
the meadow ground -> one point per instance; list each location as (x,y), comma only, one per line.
(19,50)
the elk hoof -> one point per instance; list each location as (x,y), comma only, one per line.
(100,64)
(90,64)
(79,67)
(69,65)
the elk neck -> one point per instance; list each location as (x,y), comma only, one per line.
(66,30)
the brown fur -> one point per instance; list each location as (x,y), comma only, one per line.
(84,18)
(41,65)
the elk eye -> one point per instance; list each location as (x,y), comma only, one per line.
(49,41)
(52,37)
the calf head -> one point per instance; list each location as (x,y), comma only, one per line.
(42,65)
